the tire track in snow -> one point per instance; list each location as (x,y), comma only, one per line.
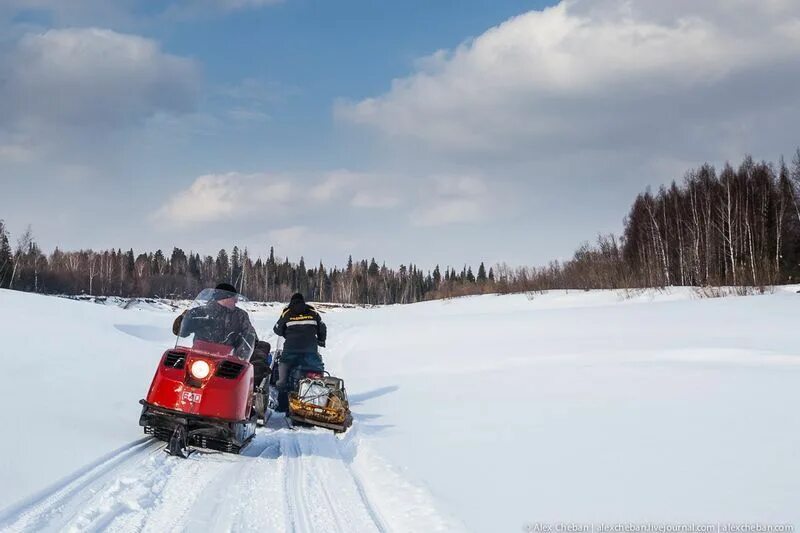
(154,495)
(43,511)
(332,448)
(300,481)
(322,485)
(240,496)
(325,494)
(185,483)
(261,506)
(331,503)
(374,513)
(120,499)
(294,496)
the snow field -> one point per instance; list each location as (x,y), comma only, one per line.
(482,413)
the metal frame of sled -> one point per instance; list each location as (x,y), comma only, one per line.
(335,415)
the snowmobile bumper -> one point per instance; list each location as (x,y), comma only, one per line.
(204,432)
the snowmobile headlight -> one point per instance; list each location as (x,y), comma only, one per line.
(200,369)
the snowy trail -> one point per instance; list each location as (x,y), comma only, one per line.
(284,481)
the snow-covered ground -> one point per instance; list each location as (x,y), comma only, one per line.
(484,413)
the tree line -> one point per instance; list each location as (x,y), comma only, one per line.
(730,227)
(736,226)
(182,275)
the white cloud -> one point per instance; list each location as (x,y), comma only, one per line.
(359,189)
(67,92)
(223,197)
(453,200)
(333,185)
(608,73)
(375,200)
(449,211)
(89,77)
(234,196)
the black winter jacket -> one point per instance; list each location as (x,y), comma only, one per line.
(302,327)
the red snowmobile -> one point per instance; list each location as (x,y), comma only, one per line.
(202,393)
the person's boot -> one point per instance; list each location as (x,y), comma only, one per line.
(283,402)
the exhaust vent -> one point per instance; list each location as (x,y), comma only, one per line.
(175,360)
(229,370)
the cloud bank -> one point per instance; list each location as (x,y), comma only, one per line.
(89,76)
(234,196)
(73,87)
(597,75)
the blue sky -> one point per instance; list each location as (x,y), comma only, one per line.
(426,131)
(307,54)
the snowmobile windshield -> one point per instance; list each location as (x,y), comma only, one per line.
(215,324)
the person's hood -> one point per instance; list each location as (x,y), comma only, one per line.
(298,307)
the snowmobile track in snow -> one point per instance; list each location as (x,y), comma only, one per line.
(323,492)
(38,513)
(284,480)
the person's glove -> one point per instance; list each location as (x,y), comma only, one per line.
(233,338)
(321,344)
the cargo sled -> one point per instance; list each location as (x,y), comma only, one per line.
(320,399)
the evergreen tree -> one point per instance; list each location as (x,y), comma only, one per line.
(236,267)
(481,273)
(223,267)
(158,263)
(373,268)
(6,257)
(178,263)
(301,274)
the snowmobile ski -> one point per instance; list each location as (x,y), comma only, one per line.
(177,446)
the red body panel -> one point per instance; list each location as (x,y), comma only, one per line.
(213,396)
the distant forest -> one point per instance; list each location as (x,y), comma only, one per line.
(182,275)
(734,226)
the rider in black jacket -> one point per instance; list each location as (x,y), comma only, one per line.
(304,331)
